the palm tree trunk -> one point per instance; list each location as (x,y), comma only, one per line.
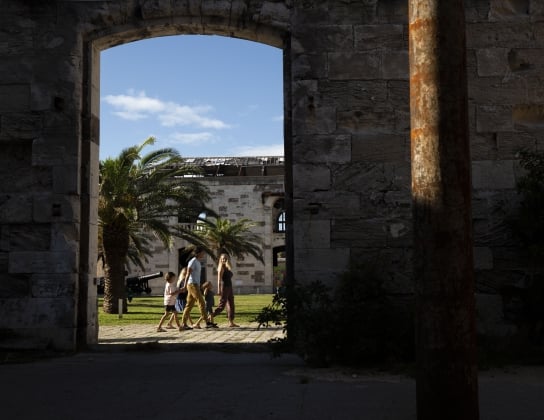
(115,245)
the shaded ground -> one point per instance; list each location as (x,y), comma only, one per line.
(207,384)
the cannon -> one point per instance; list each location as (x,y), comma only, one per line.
(135,285)
(139,284)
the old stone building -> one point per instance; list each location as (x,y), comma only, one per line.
(240,187)
(347,142)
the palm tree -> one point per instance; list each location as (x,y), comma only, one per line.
(235,238)
(138,197)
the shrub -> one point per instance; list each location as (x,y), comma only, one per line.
(357,323)
(376,327)
(528,226)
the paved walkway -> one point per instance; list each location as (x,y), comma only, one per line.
(247,336)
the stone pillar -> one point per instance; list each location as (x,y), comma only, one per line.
(446,384)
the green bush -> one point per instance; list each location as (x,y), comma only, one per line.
(357,323)
(375,326)
(528,226)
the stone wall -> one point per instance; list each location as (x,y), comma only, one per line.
(347,151)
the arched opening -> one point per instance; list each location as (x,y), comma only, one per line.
(91,156)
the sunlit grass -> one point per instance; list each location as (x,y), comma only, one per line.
(149,309)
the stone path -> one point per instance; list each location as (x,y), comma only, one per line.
(147,334)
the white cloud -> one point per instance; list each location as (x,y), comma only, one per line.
(261,150)
(139,103)
(131,116)
(184,115)
(191,138)
(278,118)
(136,106)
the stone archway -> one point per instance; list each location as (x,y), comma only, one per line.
(99,40)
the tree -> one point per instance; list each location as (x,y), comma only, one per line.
(235,238)
(138,197)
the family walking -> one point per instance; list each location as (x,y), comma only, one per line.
(182,297)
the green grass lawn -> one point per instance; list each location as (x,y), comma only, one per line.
(149,309)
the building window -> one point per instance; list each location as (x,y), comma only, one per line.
(280,222)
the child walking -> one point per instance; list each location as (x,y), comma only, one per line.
(171,292)
(181,299)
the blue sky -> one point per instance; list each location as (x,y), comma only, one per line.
(202,95)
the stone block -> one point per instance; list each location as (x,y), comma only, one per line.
(65,237)
(528,116)
(327,204)
(345,95)
(490,316)
(379,147)
(483,258)
(394,11)
(17,208)
(398,94)
(508,10)
(492,62)
(65,179)
(314,233)
(276,13)
(371,178)
(395,65)
(14,286)
(29,237)
(307,260)
(378,37)
(53,285)
(493,175)
(484,146)
(327,38)
(314,119)
(359,233)
(510,143)
(48,152)
(14,98)
(352,12)
(152,9)
(310,66)
(42,262)
(311,177)
(397,205)
(509,258)
(526,62)
(324,148)
(476,11)
(493,118)
(354,65)
(19,126)
(366,120)
(514,34)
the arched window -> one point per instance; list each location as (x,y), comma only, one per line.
(279,214)
(280,222)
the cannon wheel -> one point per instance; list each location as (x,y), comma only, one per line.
(148,290)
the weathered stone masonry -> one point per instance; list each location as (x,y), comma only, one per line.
(347,148)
